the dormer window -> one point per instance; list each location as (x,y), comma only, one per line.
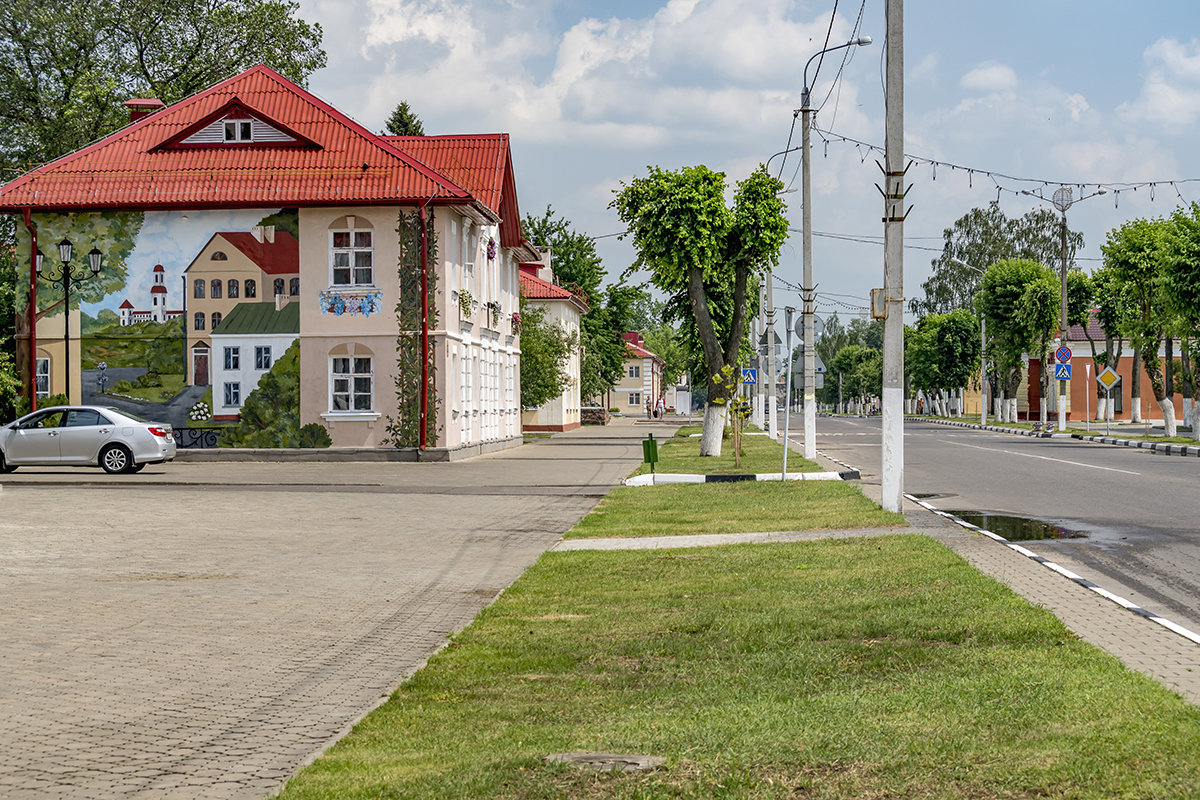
(238,130)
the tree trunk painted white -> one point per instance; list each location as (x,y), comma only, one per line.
(1189,407)
(714,427)
(1167,404)
(1101,409)
(1135,409)
(1012,409)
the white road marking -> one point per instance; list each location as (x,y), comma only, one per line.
(1045,458)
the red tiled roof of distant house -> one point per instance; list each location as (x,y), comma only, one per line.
(535,288)
(1075,332)
(126,304)
(329,159)
(641,352)
(281,257)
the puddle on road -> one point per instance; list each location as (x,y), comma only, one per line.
(1018,529)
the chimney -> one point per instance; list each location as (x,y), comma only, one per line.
(265,234)
(281,300)
(142,107)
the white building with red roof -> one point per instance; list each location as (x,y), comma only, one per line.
(158,311)
(564,309)
(400,345)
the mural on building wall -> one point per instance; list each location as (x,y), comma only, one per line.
(132,312)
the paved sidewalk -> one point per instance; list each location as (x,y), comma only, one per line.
(203,631)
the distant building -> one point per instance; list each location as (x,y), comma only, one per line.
(643,378)
(158,311)
(565,309)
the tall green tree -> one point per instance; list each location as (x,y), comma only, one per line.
(689,239)
(545,351)
(1181,287)
(68,65)
(404,122)
(578,267)
(980,238)
(1136,254)
(1015,298)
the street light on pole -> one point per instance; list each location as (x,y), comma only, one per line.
(65,278)
(808,290)
(1063,199)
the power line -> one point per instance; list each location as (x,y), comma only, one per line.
(1037,186)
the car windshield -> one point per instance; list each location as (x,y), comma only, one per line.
(127,414)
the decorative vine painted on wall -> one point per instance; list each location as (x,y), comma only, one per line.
(403,429)
(341,302)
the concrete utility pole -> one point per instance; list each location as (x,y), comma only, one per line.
(772,387)
(808,289)
(893,266)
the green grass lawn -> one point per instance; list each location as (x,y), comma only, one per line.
(870,668)
(681,454)
(678,509)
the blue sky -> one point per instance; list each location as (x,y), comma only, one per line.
(592,92)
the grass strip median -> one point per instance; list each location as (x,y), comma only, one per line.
(867,668)
(759,454)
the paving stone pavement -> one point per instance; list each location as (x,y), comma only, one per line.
(201,639)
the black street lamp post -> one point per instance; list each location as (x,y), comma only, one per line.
(66,276)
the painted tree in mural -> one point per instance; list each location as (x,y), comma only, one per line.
(270,417)
(689,239)
(113,233)
(404,426)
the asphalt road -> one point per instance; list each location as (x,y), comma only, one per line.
(198,630)
(1139,511)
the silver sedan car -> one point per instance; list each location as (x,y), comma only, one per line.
(94,436)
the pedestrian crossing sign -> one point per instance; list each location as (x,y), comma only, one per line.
(1062,372)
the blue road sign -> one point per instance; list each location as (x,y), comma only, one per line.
(1062,372)
(749,375)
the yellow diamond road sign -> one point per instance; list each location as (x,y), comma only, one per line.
(1108,378)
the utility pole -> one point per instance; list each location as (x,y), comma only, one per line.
(772,384)
(893,266)
(808,290)
(1062,199)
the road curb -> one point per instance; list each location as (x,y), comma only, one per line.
(1166,448)
(1190,635)
(664,478)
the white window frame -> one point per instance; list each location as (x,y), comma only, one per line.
(41,374)
(238,130)
(233,394)
(635,399)
(351,392)
(635,371)
(352,250)
(262,357)
(233,358)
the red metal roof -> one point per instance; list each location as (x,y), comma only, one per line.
(281,257)
(1075,333)
(641,352)
(534,288)
(482,164)
(348,164)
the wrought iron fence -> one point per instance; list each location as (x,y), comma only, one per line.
(197,437)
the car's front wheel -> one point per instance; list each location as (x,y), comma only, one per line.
(5,467)
(115,459)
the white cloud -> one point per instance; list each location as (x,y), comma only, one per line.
(990,76)
(1171,89)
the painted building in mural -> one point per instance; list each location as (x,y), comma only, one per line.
(255,190)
